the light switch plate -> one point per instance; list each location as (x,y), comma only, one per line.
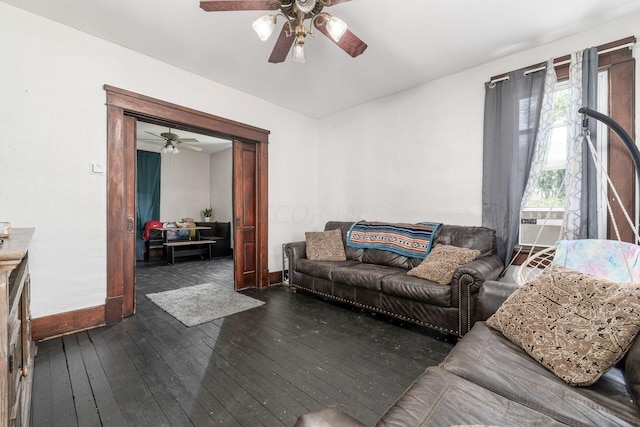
(97,168)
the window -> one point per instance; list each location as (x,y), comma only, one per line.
(502,160)
(541,218)
(550,190)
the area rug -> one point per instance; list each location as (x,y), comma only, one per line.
(198,304)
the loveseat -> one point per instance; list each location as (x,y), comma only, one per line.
(377,280)
(488,380)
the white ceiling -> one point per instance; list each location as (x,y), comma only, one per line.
(410,41)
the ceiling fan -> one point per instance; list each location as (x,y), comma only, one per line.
(173,141)
(294,32)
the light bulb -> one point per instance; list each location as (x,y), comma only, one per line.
(336,28)
(264,26)
(298,54)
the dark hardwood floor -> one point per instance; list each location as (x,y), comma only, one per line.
(265,366)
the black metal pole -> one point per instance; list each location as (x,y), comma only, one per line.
(628,142)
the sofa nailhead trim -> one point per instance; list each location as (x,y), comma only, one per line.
(377,310)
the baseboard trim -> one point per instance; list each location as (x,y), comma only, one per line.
(46,327)
(275,277)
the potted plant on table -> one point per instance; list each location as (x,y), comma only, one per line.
(207,213)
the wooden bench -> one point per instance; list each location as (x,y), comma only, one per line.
(172,254)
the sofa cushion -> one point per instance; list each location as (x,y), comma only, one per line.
(484,356)
(442,262)
(576,325)
(321,268)
(325,245)
(438,398)
(368,276)
(417,289)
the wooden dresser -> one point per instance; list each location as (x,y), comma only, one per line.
(16,347)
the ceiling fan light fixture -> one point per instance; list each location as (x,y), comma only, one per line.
(264,26)
(306,6)
(336,28)
(298,54)
(169,148)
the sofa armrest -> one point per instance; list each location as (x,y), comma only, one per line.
(491,296)
(295,251)
(467,282)
(472,275)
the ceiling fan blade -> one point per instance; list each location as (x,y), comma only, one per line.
(159,136)
(349,42)
(283,46)
(190,147)
(187,140)
(224,5)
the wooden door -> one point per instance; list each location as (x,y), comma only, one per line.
(121,156)
(129,253)
(245,209)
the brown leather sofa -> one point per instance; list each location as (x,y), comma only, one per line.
(487,380)
(377,280)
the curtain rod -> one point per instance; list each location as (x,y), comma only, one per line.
(630,45)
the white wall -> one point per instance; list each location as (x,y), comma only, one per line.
(185,186)
(417,155)
(222,185)
(53,119)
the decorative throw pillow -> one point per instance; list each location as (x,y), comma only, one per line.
(325,245)
(576,325)
(442,262)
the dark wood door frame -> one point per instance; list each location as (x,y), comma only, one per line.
(120,300)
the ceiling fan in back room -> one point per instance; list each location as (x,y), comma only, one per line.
(294,31)
(173,141)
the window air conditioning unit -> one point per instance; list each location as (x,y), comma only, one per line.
(540,227)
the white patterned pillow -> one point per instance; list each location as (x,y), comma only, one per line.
(576,325)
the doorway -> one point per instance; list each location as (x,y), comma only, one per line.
(123,109)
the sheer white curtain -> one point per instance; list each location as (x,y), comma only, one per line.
(573,177)
(541,150)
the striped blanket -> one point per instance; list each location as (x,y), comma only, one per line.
(410,240)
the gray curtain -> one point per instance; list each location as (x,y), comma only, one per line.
(589,197)
(511,117)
